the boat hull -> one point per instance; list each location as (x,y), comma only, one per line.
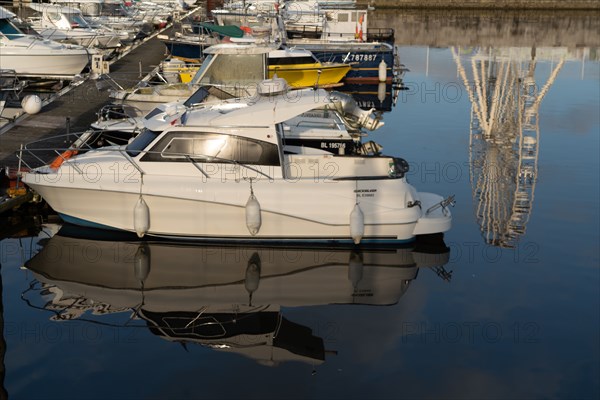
(41,63)
(363,57)
(185,50)
(191,209)
(306,75)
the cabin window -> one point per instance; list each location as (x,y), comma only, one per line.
(140,142)
(9,30)
(214,148)
(77,21)
(342,17)
(232,69)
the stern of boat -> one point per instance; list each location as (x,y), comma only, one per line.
(435,214)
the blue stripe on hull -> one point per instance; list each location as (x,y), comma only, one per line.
(87,224)
(364,59)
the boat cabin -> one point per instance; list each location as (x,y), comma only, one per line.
(58,17)
(233,65)
(278,128)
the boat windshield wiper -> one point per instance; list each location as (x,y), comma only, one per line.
(222,160)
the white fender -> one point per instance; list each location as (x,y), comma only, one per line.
(141,218)
(253,219)
(141,262)
(382,71)
(357,224)
(381,92)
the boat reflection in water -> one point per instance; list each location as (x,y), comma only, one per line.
(227,298)
(505,97)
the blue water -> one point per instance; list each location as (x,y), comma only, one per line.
(519,317)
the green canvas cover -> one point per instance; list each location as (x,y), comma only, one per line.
(225,30)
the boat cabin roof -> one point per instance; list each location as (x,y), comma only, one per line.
(54,8)
(265,111)
(88,1)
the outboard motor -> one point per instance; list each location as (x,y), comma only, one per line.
(355,116)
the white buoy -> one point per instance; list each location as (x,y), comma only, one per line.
(382,71)
(357,224)
(381,92)
(32,104)
(253,219)
(141,262)
(141,218)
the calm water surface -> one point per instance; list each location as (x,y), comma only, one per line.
(511,312)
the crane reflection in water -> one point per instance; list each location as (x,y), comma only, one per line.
(222,297)
(505,134)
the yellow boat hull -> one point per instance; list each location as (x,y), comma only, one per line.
(304,75)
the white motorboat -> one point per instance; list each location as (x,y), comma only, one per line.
(67,24)
(228,174)
(237,68)
(113,14)
(33,56)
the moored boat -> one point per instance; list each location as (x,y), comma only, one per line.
(227,174)
(30,55)
(67,24)
(236,69)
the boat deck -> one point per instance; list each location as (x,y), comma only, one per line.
(80,104)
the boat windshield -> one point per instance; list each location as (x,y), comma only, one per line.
(9,30)
(232,69)
(202,94)
(140,142)
(77,21)
(115,10)
(203,68)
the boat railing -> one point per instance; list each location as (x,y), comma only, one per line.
(381,35)
(33,157)
(11,36)
(119,112)
(10,88)
(320,124)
